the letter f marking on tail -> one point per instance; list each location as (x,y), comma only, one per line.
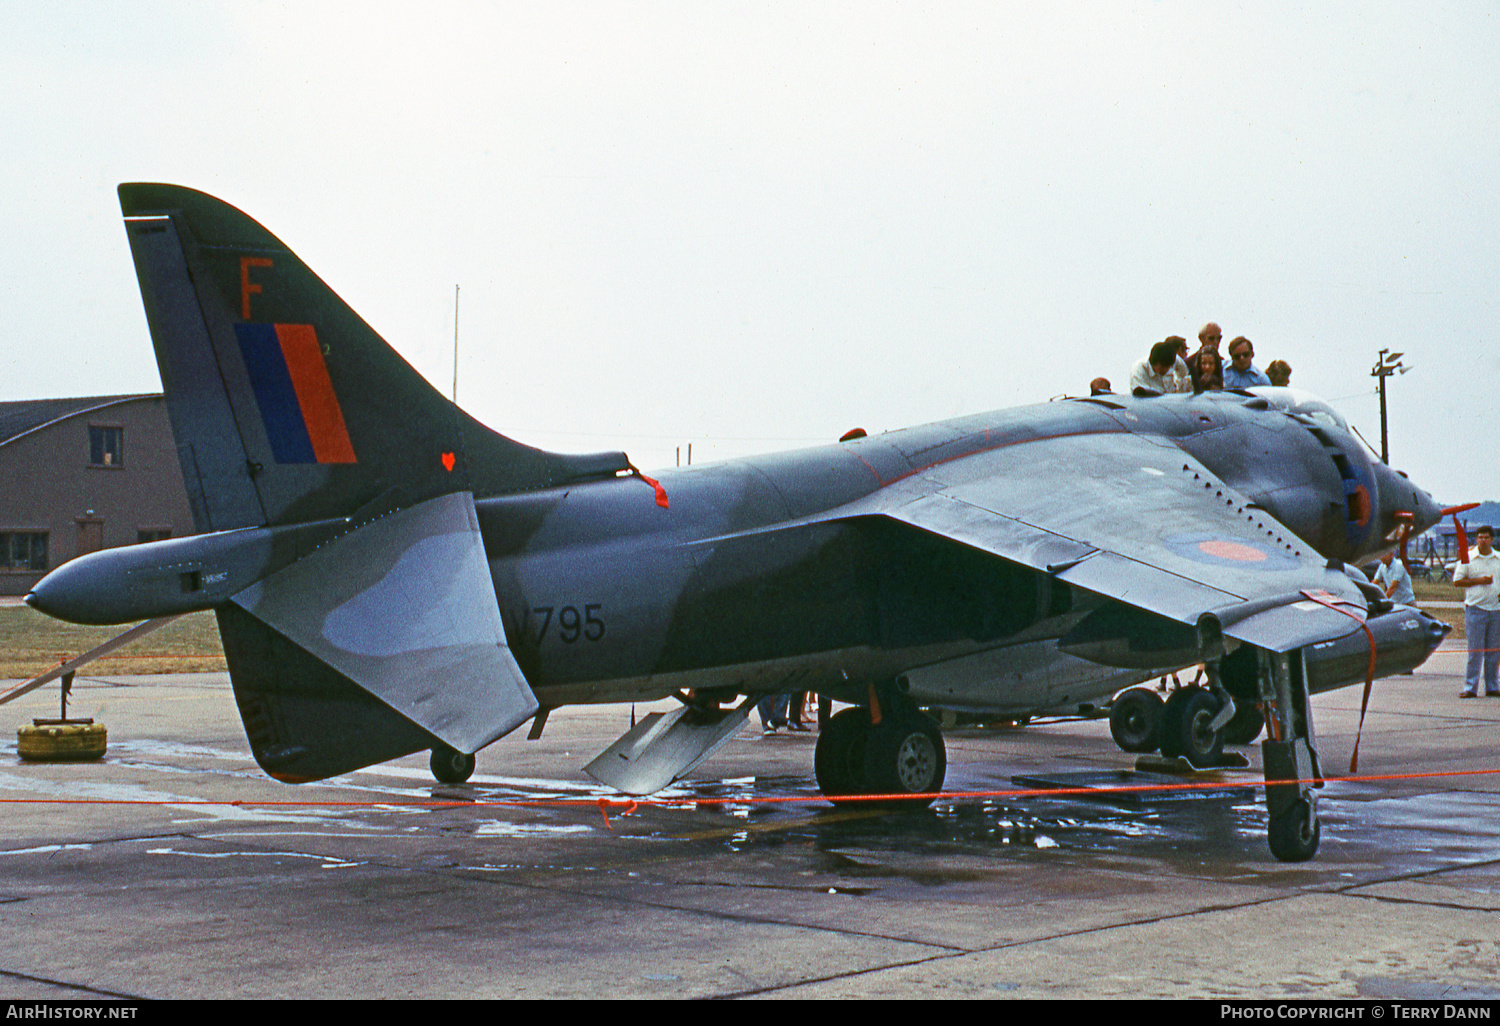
(245,287)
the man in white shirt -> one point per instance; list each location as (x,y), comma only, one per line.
(1478,577)
(1395,581)
(1157,372)
(1181,378)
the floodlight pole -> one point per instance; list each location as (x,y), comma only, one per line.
(1386,364)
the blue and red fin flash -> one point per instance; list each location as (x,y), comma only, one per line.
(303,420)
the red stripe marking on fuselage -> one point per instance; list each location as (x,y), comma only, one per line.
(320,406)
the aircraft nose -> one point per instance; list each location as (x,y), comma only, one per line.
(1399,495)
(1408,498)
(1429,511)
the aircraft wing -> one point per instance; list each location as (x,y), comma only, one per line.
(1138,521)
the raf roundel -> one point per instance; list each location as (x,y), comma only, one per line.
(1220,549)
(1244,553)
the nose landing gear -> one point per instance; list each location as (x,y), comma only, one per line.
(1290,758)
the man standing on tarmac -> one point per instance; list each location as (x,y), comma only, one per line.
(1478,578)
(1395,581)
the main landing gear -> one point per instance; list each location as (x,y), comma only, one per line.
(1140,721)
(1186,724)
(1135,720)
(888,747)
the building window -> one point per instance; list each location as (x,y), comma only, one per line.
(23,550)
(106,446)
(151,534)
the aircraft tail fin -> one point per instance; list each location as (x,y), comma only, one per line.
(285,404)
(289,411)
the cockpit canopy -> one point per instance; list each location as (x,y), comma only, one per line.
(1296,401)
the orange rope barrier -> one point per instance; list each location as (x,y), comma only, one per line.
(630,805)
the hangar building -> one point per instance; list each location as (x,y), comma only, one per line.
(83,474)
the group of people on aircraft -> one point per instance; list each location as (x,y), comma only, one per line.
(1170,368)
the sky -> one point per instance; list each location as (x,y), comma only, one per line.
(753,226)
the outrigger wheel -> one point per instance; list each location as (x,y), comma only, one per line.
(1291,764)
(450,766)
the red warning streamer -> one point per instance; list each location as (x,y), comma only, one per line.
(1323,598)
(661,493)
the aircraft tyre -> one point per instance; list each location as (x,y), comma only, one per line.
(1291,836)
(904,754)
(839,761)
(1184,727)
(450,766)
(1135,720)
(1245,725)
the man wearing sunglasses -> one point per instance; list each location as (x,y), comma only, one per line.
(1241,373)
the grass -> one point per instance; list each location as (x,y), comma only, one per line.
(1431,591)
(31,643)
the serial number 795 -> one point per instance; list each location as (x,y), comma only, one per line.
(572,625)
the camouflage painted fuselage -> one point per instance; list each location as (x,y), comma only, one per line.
(764,576)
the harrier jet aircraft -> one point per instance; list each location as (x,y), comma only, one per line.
(391,576)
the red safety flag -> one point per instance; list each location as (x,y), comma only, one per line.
(661,493)
(1356,614)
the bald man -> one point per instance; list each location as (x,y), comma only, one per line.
(1209,337)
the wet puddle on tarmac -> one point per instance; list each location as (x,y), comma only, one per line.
(1364,833)
(1363,836)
